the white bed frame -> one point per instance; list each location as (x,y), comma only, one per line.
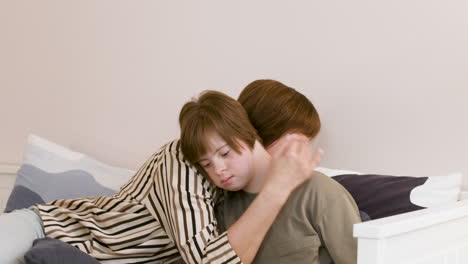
(429,236)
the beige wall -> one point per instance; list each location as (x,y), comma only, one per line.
(107,78)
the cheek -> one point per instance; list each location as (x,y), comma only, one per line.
(243,167)
(213,178)
(242,162)
(210,175)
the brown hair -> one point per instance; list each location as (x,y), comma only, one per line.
(275,109)
(213,112)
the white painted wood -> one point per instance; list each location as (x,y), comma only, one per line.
(7,180)
(8,168)
(464,195)
(370,251)
(429,236)
(398,224)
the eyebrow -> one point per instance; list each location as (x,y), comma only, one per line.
(215,151)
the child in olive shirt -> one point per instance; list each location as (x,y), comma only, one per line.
(217,135)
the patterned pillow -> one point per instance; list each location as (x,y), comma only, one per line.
(50,172)
(386,195)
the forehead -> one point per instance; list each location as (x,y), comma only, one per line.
(213,141)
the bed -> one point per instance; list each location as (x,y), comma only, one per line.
(437,234)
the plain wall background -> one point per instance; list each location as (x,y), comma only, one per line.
(108,78)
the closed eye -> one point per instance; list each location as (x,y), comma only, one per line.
(206,165)
(225,154)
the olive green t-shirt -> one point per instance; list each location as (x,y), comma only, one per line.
(318,216)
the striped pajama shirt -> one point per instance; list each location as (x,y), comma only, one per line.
(165,212)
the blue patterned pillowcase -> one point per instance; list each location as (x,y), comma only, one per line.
(51,172)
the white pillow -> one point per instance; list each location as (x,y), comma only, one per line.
(54,158)
(334,172)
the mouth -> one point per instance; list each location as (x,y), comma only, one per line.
(227,180)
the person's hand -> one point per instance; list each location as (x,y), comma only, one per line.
(292,163)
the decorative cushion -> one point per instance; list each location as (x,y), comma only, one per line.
(50,172)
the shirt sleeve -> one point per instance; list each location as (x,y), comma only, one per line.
(187,211)
(335,225)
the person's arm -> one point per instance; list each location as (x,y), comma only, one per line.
(340,243)
(292,161)
(187,210)
(335,219)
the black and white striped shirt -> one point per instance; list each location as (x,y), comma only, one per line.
(165,212)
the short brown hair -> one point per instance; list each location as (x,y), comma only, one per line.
(275,109)
(213,112)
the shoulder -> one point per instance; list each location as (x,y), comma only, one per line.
(322,194)
(320,182)
(322,188)
(170,149)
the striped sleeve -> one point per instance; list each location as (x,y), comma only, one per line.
(183,201)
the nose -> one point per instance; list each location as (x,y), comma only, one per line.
(219,166)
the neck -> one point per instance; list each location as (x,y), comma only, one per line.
(260,167)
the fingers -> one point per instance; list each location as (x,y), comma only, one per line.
(298,149)
(293,157)
(282,145)
(275,148)
(293,149)
(317,157)
(306,157)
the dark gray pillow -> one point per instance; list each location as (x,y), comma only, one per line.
(380,196)
(22,197)
(52,251)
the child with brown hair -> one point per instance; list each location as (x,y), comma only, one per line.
(218,137)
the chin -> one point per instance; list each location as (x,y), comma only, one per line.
(230,188)
(234,189)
